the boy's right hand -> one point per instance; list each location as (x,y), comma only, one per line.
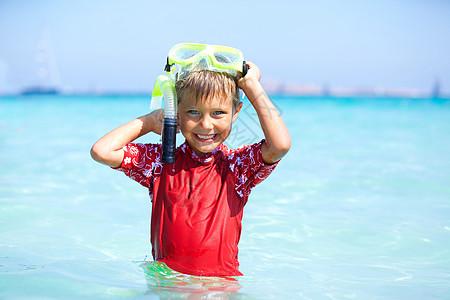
(108,149)
(158,117)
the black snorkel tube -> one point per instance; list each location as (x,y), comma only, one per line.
(169,134)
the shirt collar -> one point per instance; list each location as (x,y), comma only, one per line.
(208,157)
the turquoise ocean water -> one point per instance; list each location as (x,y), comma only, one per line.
(358,209)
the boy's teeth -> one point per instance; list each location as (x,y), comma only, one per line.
(205,137)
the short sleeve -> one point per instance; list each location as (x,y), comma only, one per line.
(142,163)
(248,168)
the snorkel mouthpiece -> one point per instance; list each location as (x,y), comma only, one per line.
(165,88)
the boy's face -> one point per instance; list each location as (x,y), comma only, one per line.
(206,123)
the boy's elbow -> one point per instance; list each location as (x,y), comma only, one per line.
(103,155)
(96,153)
(283,146)
(99,153)
(283,149)
(276,152)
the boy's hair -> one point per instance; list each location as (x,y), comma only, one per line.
(205,83)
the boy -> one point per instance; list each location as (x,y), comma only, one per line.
(197,202)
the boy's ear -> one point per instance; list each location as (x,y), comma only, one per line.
(238,109)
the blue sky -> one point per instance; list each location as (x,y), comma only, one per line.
(122,45)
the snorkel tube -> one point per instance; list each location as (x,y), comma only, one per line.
(165,88)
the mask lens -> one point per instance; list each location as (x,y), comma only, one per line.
(183,54)
(186,51)
(226,57)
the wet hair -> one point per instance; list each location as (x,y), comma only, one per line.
(204,84)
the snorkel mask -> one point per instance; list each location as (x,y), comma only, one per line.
(189,57)
(184,59)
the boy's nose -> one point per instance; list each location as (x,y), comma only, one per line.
(206,122)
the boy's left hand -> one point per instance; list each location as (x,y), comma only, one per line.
(278,140)
(253,76)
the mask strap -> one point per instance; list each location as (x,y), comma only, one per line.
(168,66)
(244,68)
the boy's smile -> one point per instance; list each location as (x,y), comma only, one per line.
(206,138)
(206,123)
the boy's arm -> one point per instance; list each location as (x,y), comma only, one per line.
(278,140)
(108,150)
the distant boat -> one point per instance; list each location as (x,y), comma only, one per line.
(38,90)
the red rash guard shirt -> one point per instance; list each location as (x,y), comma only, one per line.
(197,203)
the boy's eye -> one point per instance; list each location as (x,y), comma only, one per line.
(218,112)
(192,112)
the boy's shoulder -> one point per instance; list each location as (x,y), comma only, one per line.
(247,156)
(242,149)
(142,153)
(148,147)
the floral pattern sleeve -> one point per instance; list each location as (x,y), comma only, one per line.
(142,162)
(248,168)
